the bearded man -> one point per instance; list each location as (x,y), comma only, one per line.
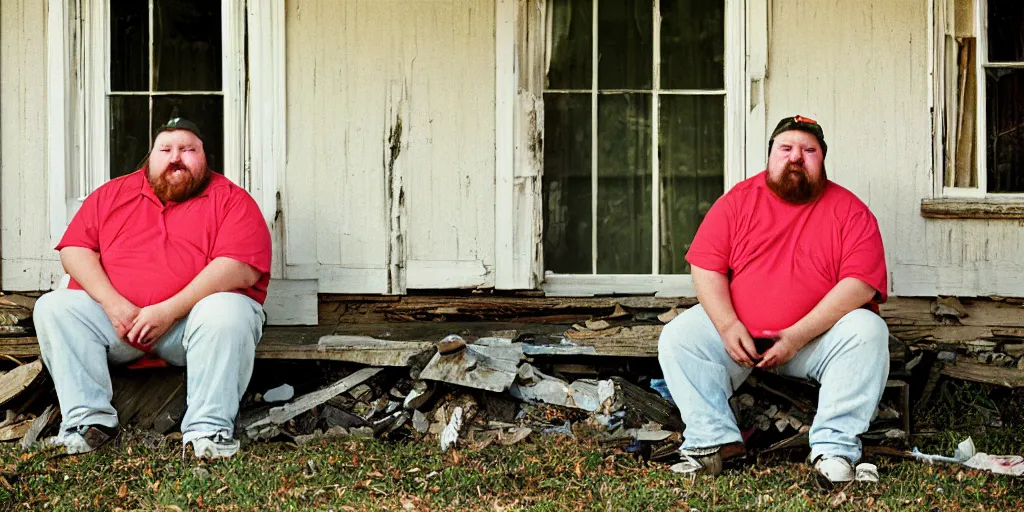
(170,262)
(789,270)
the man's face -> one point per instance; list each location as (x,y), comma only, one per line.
(796,167)
(177,166)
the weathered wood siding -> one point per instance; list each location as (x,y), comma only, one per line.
(28,258)
(861,69)
(390,176)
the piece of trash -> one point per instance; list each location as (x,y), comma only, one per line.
(661,387)
(282,393)
(565,429)
(450,434)
(965,450)
(420,422)
(998,464)
(866,472)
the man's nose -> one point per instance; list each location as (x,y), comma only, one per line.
(796,155)
(175,156)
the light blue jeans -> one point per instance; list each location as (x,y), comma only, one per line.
(850,361)
(216,342)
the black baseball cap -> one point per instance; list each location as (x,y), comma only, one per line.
(804,124)
(179,123)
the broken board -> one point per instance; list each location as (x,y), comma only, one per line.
(372,351)
(14,382)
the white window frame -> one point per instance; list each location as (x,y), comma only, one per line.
(746,25)
(78,107)
(943,68)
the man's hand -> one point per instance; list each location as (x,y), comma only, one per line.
(152,323)
(787,344)
(739,344)
(122,314)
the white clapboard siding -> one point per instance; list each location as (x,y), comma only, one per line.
(28,259)
(864,77)
(390,140)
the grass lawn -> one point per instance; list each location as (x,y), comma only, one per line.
(543,473)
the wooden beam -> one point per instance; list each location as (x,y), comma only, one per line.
(961,209)
(19,379)
(986,374)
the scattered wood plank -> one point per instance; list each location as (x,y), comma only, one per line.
(267,425)
(37,427)
(14,382)
(372,351)
(492,368)
(986,374)
(15,431)
(646,405)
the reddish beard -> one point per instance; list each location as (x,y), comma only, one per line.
(795,185)
(189,187)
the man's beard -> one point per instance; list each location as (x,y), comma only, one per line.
(794,186)
(191,186)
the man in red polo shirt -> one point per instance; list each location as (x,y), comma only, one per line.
(789,270)
(169,262)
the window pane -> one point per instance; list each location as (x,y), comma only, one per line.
(624,184)
(1004,112)
(187,45)
(567,186)
(206,111)
(572,24)
(129,133)
(129,45)
(625,50)
(1005,31)
(693,44)
(692,167)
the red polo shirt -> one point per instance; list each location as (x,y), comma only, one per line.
(782,259)
(151,251)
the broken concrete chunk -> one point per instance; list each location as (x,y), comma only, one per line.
(513,435)
(420,422)
(492,368)
(451,344)
(282,393)
(587,394)
(948,306)
(362,392)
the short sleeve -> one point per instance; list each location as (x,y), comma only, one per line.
(243,234)
(863,256)
(84,230)
(712,245)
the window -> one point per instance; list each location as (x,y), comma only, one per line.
(635,132)
(983,60)
(165,62)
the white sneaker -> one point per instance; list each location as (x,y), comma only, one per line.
(834,469)
(217,446)
(75,444)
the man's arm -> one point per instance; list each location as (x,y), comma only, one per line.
(846,296)
(83,264)
(221,275)
(713,293)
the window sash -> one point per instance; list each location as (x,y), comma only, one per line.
(947,58)
(655,92)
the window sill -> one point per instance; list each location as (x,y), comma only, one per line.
(972,209)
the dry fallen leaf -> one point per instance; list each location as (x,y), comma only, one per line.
(122,491)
